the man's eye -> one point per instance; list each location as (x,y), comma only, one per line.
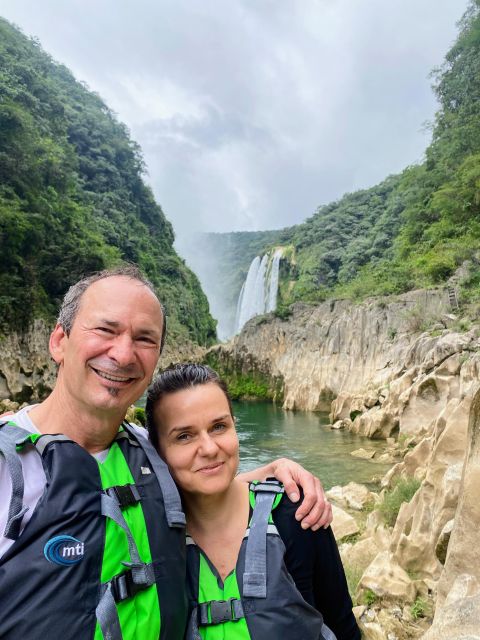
(183,437)
(104,330)
(219,426)
(147,340)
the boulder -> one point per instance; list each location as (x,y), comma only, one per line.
(360,554)
(366,454)
(372,631)
(353,495)
(343,524)
(8,406)
(386,578)
(359,611)
(459,617)
(341,424)
(463,547)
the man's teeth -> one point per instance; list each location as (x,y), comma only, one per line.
(108,376)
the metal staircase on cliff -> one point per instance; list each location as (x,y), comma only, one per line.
(452,297)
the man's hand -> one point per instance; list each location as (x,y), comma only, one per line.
(314,511)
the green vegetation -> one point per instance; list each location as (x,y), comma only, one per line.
(283,312)
(402,491)
(248,387)
(420,608)
(73,199)
(140,416)
(412,230)
(353,573)
(242,385)
(352,538)
(369,597)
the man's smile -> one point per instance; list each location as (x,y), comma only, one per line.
(113,377)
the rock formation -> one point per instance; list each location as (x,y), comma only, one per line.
(27,372)
(395,370)
(335,347)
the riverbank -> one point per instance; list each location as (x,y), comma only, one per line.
(404,370)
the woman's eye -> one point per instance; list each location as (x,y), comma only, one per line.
(183,437)
(220,426)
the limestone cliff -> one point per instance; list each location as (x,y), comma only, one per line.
(335,347)
(394,368)
(27,372)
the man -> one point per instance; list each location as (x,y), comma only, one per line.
(93,532)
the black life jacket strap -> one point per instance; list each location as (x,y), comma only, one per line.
(255,574)
(10,437)
(171,497)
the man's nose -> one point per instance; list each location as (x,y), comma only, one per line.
(122,350)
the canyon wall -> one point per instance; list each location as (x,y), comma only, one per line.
(322,351)
(406,370)
(27,372)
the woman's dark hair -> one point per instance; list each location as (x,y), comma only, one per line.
(177,378)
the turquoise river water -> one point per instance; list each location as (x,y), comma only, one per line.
(267,431)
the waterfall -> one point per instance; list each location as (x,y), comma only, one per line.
(273,281)
(259,291)
(246,306)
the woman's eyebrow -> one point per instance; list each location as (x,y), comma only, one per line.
(188,426)
(227,415)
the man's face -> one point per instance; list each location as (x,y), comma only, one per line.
(109,358)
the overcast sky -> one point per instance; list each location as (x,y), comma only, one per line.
(251,113)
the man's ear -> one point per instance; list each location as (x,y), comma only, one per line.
(57,343)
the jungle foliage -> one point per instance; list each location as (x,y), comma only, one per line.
(72,196)
(412,230)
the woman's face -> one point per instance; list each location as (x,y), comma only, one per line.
(197,438)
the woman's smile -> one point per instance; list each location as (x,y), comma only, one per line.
(211,469)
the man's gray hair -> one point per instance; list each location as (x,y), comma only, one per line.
(71,300)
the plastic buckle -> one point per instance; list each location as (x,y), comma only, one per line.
(127,495)
(268,486)
(124,587)
(221,611)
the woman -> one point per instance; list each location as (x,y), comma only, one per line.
(252,569)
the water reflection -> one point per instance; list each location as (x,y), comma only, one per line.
(267,431)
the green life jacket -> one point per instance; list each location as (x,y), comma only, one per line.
(103,555)
(259,598)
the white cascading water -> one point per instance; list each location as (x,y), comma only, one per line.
(273,282)
(247,295)
(259,291)
(259,301)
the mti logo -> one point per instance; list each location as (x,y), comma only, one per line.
(64,550)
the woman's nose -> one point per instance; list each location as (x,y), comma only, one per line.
(208,446)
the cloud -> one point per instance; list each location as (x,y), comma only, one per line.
(252,113)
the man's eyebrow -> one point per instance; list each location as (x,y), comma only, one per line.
(110,323)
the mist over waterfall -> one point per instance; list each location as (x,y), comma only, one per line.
(259,291)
